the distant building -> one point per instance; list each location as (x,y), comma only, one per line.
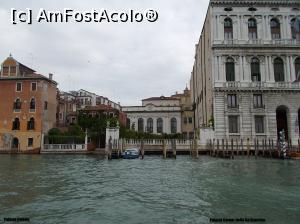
(100,110)
(245,79)
(69,103)
(187,113)
(67,106)
(101,100)
(156,115)
(28,106)
(84,98)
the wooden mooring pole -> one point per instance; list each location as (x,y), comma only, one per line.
(164,148)
(231,153)
(223,147)
(142,149)
(248,147)
(174,148)
(217,154)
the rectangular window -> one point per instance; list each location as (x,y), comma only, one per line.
(13,71)
(185,120)
(30,142)
(33,86)
(257,101)
(259,124)
(5,71)
(191,135)
(19,87)
(233,124)
(190,120)
(46,105)
(232,101)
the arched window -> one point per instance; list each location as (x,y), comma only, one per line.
(30,124)
(297,69)
(150,125)
(16,124)
(173,125)
(252,29)
(278,70)
(295,28)
(141,125)
(228,29)
(160,125)
(275,29)
(17,104)
(32,104)
(255,70)
(230,71)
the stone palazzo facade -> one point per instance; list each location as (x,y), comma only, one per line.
(157,115)
(245,78)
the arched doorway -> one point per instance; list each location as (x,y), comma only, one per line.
(281,119)
(15,143)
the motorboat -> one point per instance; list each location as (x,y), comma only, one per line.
(131,153)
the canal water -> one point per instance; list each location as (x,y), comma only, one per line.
(91,189)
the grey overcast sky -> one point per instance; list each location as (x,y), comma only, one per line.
(123,61)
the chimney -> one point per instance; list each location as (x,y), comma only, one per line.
(50,76)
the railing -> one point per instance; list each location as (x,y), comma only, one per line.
(64,147)
(261,144)
(276,42)
(250,84)
(156,141)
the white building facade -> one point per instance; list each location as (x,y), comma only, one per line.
(247,69)
(157,115)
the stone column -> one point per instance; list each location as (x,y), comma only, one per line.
(166,125)
(263,28)
(260,30)
(178,119)
(217,27)
(222,68)
(288,28)
(271,69)
(267,28)
(286,69)
(235,26)
(288,64)
(247,70)
(213,69)
(245,29)
(154,125)
(293,72)
(221,28)
(265,70)
(241,72)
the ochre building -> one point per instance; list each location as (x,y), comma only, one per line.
(28,106)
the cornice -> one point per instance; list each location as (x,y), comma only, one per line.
(255,2)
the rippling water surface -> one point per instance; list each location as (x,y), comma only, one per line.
(90,189)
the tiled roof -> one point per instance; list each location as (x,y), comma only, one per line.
(160,98)
(100,107)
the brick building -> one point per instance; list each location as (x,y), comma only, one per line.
(28,106)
